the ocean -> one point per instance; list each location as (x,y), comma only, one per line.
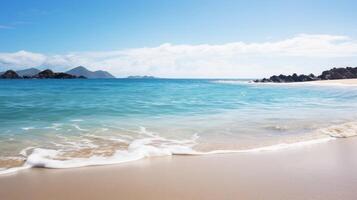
(75,123)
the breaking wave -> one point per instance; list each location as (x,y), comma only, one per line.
(232,82)
(90,153)
(344,130)
(49,158)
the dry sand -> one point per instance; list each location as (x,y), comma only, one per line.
(320,171)
(339,81)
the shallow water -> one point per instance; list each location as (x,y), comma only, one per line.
(73,123)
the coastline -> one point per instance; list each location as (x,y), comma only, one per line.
(336,82)
(351,82)
(319,171)
(322,168)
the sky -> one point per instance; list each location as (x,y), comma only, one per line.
(180,39)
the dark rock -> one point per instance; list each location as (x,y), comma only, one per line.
(64,76)
(335,73)
(45,74)
(275,79)
(10,74)
(339,73)
(49,74)
(26,72)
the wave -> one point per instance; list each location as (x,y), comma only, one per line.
(331,83)
(344,130)
(14,169)
(153,145)
(46,158)
(306,83)
(232,82)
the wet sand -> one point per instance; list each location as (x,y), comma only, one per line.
(321,171)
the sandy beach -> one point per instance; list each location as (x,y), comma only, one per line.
(338,81)
(319,171)
(178,100)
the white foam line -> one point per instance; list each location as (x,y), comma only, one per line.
(307,83)
(137,150)
(14,169)
(54,126)
(106,138)
(23,152)
(276,147)
(27,128)
(76,120)
(79,128)
(231,82)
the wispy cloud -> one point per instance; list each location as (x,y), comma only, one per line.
(22,23)
(6,27)
(302,53)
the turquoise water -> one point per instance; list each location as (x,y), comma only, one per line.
(72,123)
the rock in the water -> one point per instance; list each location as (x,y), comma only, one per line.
(49,74)
(64,76)
(335,73)
(339,73)
(288,79)
(45,74)
(10,74)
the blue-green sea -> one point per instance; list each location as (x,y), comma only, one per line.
(74,123)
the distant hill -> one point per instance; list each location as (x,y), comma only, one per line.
(45,74)
(49,74)
(82,71)
(9,74)
(26,72)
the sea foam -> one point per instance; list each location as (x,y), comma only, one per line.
(344,130)
(154,145)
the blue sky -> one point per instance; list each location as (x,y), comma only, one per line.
(60,28)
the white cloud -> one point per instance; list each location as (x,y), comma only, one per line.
(21,58)
(302,53)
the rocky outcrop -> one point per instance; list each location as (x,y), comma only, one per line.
(290,78)
(78,72)
(339,73)
(335,73)
(46,74)
(49,74)
(10,74)
(26,72)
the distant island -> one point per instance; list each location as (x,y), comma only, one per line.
(141,77)
(79,72)
(332,74)
(82,71)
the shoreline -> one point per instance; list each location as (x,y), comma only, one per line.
(321,168)
(268,148)
(335,82)
(319,171)
(351,82)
